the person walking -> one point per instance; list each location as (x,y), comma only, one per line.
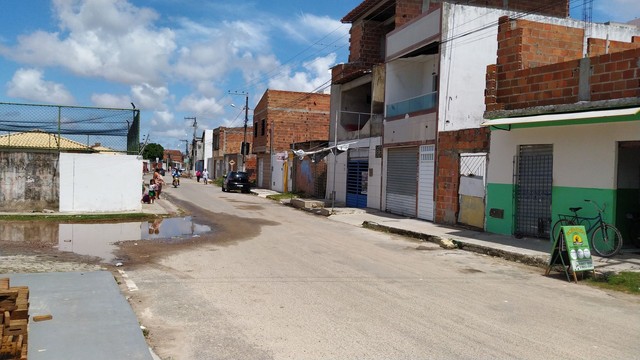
(205,176)
(198,175)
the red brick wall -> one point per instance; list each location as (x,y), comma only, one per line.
(538,64)
(365,44)
(525,44)
(450,145)
(407,10)
(602,46)
(293,117)
(616,75)
(231,139)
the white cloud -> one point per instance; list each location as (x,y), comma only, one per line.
(29,84)
(316,77)
(111,101)
(308,28)
(201,106)
(108,38)
(148,97)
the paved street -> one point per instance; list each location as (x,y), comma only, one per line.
(274,282)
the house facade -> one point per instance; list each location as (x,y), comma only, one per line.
(564,116)
(227,156)
(282,118)
(416,76)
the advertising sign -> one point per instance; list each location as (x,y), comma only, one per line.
(577,244)
(571,251)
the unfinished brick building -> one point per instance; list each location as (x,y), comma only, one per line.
(280,119)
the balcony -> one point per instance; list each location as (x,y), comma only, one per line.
(419,103)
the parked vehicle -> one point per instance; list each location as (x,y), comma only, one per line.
(236,180)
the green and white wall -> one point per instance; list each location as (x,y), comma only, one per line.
(585,166)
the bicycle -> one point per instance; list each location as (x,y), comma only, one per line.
(606,240)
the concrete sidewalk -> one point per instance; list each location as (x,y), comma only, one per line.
(529,251)
(91,318)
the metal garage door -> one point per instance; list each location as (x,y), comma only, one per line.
(425,182)
(402,181)
(357,177)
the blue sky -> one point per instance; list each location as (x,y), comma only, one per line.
(179,58)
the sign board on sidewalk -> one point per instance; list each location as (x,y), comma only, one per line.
(571,250)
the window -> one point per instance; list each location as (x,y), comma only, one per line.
(255,130)
(264,127)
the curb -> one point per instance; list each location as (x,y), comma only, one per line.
(537,261)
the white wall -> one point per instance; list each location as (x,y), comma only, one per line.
(463,65)
(100,183)
(374,191)
(413,129)
(588,150)
(402,40)
(208,151)
(339,182)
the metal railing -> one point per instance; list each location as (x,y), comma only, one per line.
(419,103)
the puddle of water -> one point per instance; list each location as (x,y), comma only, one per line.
(99,240)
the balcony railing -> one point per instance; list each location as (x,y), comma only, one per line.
(419,103)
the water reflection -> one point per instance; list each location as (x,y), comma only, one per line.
(99,240)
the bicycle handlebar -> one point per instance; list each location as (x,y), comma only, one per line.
(595,204)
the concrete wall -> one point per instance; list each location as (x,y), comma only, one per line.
(589,151)
(208,151)
(29,181)
(100,183)
(463,65)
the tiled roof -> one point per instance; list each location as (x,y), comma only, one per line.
(40,140)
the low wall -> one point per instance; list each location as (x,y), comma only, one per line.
(100,183)
(28,181)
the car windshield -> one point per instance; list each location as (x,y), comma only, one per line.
(241,176)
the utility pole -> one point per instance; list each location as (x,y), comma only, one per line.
(244,149)
(186,148)
(192,156)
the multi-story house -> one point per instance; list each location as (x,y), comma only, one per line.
(426,87)
(227,156)
(563,108)
(197,153)
(357,105)
(282,118)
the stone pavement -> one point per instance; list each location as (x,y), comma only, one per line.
(530,251)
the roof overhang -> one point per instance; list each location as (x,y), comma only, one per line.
(573,118)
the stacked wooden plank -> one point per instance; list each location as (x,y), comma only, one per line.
(14,320)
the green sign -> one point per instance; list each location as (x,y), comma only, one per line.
(577,245)
(571,250)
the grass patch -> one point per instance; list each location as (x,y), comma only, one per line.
(283,196)
(218,181)
(77,218)
(625,281)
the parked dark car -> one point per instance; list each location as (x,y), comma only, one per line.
(236,180)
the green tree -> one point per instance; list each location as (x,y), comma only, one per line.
(153,151)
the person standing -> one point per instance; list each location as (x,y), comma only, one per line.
(159,180)
(198,175)
(205,176)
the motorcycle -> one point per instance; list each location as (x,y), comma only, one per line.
(176,181)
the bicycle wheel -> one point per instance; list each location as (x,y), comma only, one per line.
(606,240)
(557,227)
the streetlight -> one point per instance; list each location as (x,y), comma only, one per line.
(244,148)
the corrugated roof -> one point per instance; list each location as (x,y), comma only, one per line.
(40,140)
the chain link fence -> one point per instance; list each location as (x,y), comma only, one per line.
(65,128)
